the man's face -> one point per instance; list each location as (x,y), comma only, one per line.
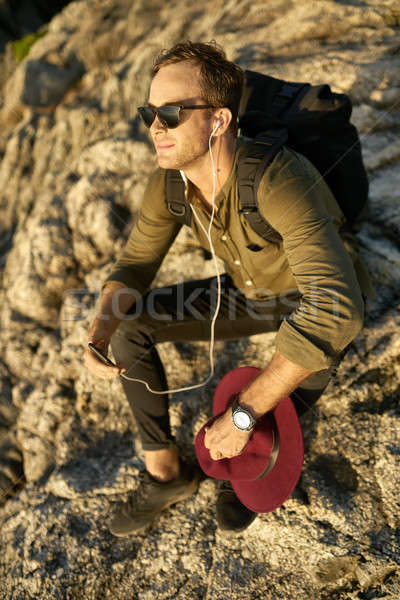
(186,145)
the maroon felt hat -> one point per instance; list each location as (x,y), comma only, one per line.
(265,474)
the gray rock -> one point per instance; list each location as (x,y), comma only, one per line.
(39,83)
(45,84)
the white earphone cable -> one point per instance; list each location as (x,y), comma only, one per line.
(218,304)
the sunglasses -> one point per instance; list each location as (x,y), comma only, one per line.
(168,115)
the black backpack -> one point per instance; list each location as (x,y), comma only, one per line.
(310,119)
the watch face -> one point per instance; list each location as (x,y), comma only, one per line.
(242,420)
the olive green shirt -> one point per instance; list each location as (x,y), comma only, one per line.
(312,259)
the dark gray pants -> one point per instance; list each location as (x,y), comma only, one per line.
(183,312)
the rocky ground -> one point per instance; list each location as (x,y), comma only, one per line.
(74,162)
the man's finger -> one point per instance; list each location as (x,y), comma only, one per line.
(206,439)
(217,455)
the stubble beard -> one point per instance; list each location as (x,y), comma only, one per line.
(183,158)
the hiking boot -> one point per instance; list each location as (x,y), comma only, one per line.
(232,516)
(151,498)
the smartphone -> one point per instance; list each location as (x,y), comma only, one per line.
(101,356)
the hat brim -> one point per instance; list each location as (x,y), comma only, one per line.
(272,490)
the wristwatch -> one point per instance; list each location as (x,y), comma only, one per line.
(241,417)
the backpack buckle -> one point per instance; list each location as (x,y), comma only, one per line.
(178,210)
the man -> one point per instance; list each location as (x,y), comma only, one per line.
(305,288)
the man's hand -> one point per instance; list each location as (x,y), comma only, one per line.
(96,366)
(103,327)
(223,440)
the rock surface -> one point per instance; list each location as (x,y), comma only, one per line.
(71,180)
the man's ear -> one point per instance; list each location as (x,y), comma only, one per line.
(223,120)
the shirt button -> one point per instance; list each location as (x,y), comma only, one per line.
(248,282)
(237,262)
(223,238)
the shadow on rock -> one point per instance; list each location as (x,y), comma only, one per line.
(98,466)
(335,478)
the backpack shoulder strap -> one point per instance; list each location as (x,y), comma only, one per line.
(176,197)
(251,168)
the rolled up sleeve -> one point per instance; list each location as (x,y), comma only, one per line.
(331,310)
(150,239)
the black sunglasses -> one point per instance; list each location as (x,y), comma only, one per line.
(168,115)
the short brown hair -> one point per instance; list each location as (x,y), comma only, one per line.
(221,80)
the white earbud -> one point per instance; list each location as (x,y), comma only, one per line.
(218,124)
